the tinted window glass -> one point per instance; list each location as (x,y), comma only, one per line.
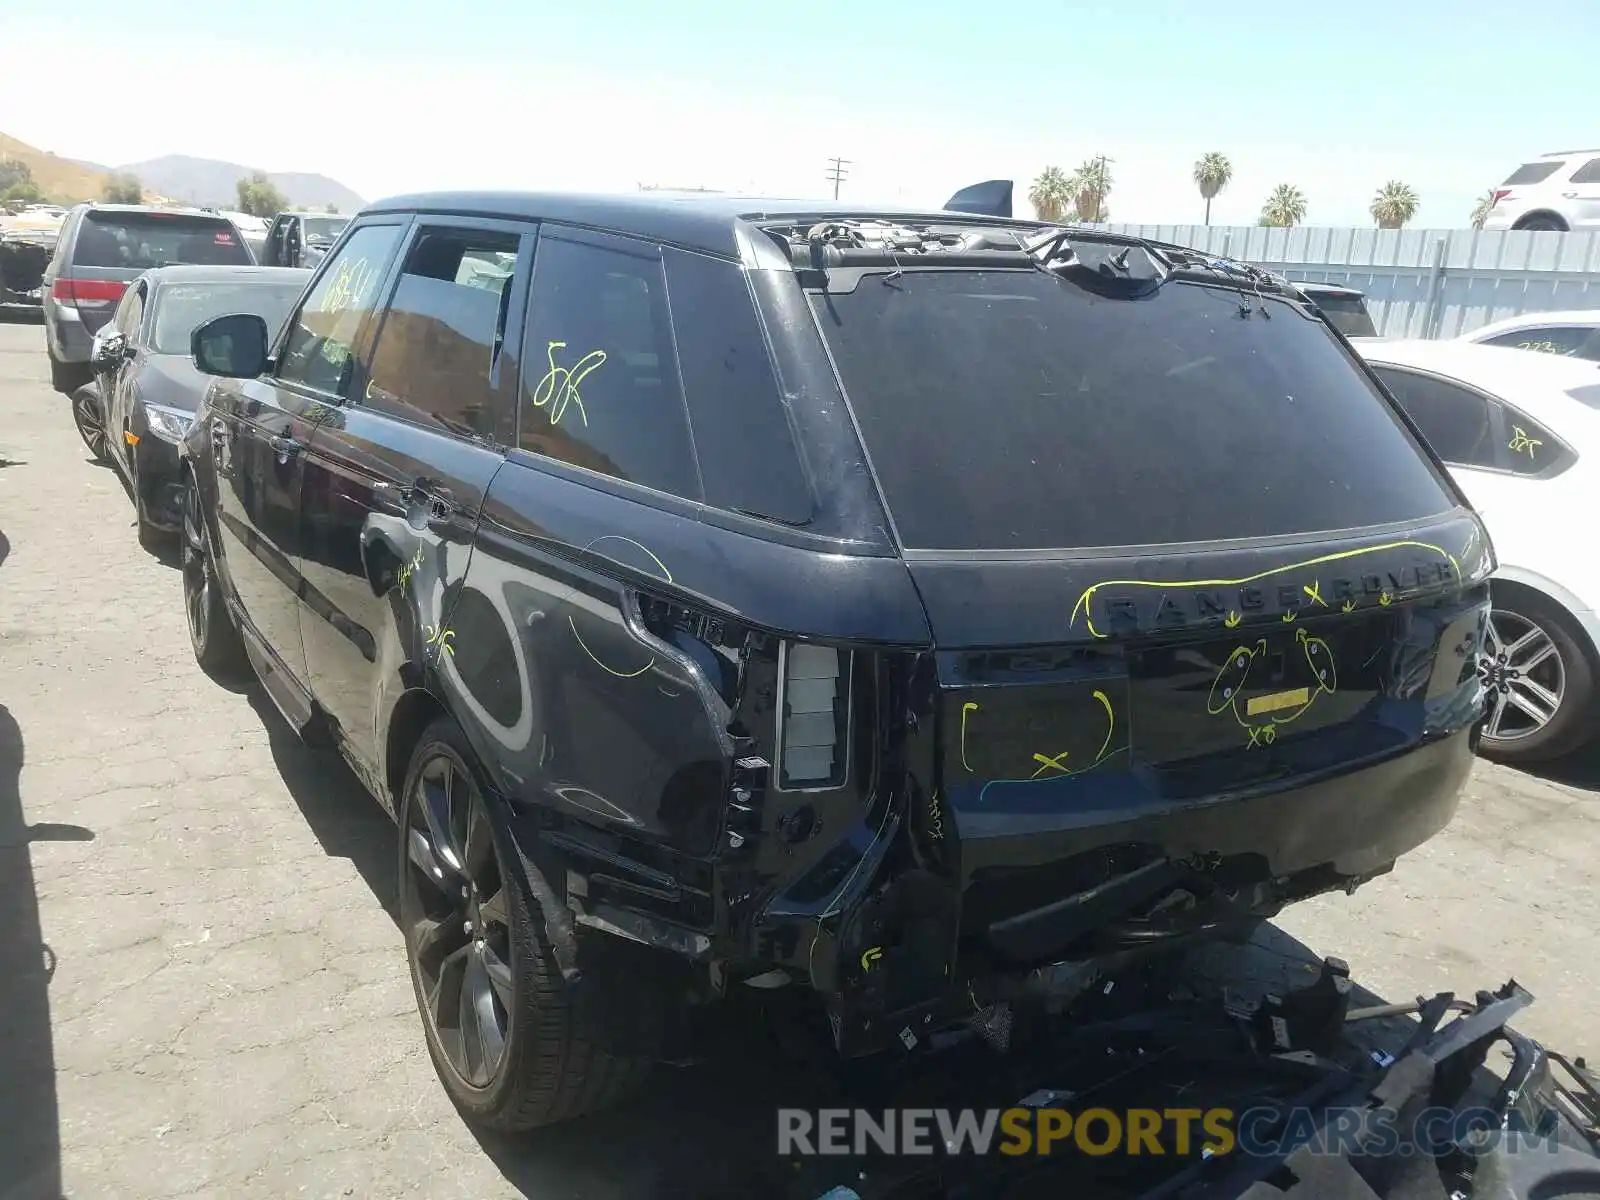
(599,382)
(1459,424)
(317,352)
(1347,314)
(138,241)
(1534,172)
(130,312)
(741,425)
(440,331)
(1588,173)
(1569,340)
(1012,409)
(180,307)
(1531,450)
(325,229)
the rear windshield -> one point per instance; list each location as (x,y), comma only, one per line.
(1534,172)
(138,241)
(1347,314)
(1013,410)
(180,307)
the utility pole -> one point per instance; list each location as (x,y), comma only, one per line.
(837,173)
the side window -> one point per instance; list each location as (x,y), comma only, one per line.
(1531,448)
(441,331)
(1588,173)
(741,427)
(599,378)
(1459,424)
(317,351)
(130,312)
(1568,340)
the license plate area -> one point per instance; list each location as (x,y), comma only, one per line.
(1251,690)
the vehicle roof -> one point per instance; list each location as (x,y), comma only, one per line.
(694,220)
(1562,393)
(312,212)
(1341,289)
(187,210)
(1568,153)
(1579,316)
(187,273)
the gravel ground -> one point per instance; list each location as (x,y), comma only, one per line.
(203,993)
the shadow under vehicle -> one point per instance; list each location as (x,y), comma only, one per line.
(915,618)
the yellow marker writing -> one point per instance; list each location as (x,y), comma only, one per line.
(1051,762)
(1232,619)
(559,387)
(1520,441)
(969,707)
(1314,593)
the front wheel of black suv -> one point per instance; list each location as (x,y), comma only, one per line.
(512,1045)
(1539,679)
(218,647)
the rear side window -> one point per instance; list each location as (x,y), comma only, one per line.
(1347,314)
(1461,425)
(138,241)
(1531,449)
(317,352)
(599,379)
(440,331)
(1534,172)
(1588,173)
(741,425)
(1571,341)
(1015,410)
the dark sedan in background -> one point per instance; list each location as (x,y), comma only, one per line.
(146,388)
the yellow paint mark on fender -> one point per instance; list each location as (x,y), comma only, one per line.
(870,956)
(969,707)
(582,645)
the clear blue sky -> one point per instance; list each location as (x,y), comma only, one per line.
(1448,96)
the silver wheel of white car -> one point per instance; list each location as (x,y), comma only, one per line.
(1538,679)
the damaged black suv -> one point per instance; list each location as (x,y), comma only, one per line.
(929,612)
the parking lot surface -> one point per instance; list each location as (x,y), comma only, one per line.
(202,991)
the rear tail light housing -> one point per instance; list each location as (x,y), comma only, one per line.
(814,715)
(87,293)
(1499,195)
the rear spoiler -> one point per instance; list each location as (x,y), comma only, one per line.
(992,198)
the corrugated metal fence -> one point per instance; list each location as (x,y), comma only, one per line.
(1418,282)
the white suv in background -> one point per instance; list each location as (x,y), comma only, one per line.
(1569,334)
(1555,191)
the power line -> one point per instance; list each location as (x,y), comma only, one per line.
(837,173)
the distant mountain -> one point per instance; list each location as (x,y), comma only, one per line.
(209,181)
(58,178)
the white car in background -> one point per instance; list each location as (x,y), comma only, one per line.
(1521,435)
(1568,334)
(1558,191)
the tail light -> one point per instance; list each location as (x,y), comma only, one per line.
(814,716)
(87,293)
(1499,195)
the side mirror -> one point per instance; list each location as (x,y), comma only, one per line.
(234,346)
(107,352)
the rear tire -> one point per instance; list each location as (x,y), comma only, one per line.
(67,377)
(1540,677)
(218,647)
(1544,224)
(513,1044)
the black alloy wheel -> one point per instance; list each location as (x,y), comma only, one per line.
(91,425)
(455,911)
(214,637)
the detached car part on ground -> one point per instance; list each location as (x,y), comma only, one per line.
(146,389)
(24,255)
(997,603)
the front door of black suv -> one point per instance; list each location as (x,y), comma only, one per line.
(395,477)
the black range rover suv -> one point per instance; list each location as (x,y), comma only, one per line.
(929,612)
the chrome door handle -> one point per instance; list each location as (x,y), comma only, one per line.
(284,447)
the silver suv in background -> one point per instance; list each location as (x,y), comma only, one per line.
(103,248)
(1558,191)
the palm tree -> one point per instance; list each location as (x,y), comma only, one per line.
(1480,210)
(1286,206)
(1091,184)
(1050,194)
(1211,174)
(1394,205)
